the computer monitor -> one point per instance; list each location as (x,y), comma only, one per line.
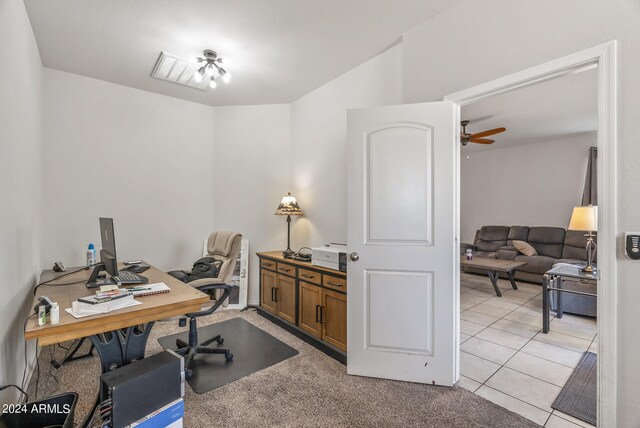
(108,251)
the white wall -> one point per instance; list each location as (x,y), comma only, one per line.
(142,158)
(251,172)
(318,145)
(440,59)
(20,186)
(534,184)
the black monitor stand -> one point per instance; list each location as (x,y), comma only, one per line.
(95,280)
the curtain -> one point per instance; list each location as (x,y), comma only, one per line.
(590,192)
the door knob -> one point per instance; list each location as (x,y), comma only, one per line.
(354,257)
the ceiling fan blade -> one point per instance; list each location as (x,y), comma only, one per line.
(481,140)
(488,132)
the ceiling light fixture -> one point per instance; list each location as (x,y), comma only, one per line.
(212,64)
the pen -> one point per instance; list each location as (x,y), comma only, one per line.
(139,289)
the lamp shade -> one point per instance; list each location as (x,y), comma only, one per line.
(584,218)
(288,206)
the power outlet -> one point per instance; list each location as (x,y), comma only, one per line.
(632,245)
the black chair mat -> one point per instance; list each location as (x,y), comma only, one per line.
(253,350)
(579,396)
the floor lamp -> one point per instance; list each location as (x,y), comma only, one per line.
(288,206)
(586,219)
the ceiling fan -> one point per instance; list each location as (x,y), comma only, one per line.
(466,138)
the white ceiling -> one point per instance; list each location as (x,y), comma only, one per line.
(542,112)
(276,50)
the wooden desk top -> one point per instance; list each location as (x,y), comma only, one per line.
(180,300)
(277,256)
(491,264)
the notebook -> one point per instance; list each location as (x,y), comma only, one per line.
(149,289)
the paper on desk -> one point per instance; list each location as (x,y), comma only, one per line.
(96,309)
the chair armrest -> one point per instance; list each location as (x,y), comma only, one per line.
(204,281)
(211,287)
(506,254)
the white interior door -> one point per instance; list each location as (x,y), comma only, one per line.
(402,223)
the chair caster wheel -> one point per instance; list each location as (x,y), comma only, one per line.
(229,356)
(220,341)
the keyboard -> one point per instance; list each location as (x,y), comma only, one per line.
(125,277)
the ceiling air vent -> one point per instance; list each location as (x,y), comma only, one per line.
(174,69)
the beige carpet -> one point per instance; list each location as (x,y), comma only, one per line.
(308,390)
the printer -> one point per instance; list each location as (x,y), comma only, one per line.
(332,256)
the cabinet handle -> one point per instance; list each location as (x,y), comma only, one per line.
(335,284)
(284,270)
(317,313)
(268,264)
(321,314)
(273,294)
(307,276)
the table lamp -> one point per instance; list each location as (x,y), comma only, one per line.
(586,219)
(288,206)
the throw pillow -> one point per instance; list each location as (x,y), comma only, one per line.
(524,248)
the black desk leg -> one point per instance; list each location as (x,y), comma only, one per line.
(559,312)
(493,276)
(512,280)
(545,304)
(119,348)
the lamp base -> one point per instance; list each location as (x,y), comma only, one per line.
(288,253)
(588,269)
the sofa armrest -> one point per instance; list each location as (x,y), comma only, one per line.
(509,248)
(506,254)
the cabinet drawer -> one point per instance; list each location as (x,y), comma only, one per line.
(286,269)
(334,282)
(269,264)
(310,276)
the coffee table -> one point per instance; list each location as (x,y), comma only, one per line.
(493,267)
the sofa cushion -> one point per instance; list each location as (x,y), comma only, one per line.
(536,264)
(491,238)
(575,246)
(485,254)
(548,241)
(524,248)
(506,254)
(517,232)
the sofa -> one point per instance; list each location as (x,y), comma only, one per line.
(553,245)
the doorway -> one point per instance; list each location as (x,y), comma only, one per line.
(602,59)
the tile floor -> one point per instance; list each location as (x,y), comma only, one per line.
(505,357)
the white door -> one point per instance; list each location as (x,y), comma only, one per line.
(402,225)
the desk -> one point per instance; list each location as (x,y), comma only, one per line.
(120,336)
(553,282)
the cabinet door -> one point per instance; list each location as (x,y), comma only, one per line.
(334,318)
(286,298)
(267,292)
(309,308)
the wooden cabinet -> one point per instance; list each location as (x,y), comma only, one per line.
(323,314)
(333,317)
(310,303)
(286,298)
(311,299)
(267,290)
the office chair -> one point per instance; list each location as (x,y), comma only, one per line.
(223,246)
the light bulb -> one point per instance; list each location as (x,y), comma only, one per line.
(212,83)
(226,77)
(198,75)
(209,70)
